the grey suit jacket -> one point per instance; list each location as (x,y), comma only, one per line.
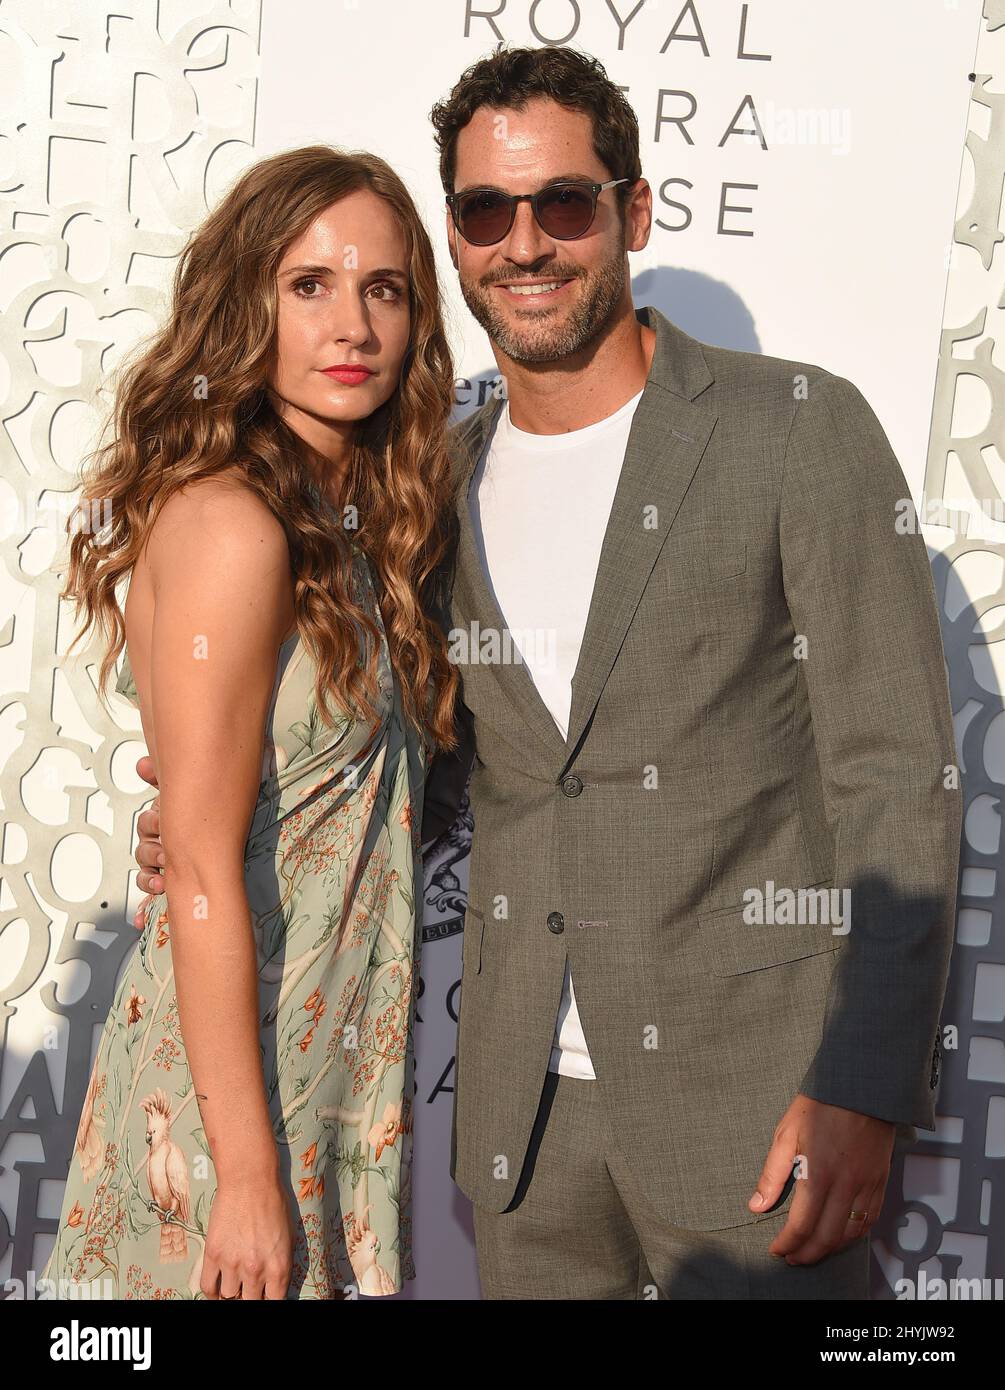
(760,703)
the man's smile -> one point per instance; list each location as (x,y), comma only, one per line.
(533,289)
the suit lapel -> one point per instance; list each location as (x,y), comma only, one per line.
(667,439)
(474,600)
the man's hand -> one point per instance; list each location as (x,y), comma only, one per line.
(149,854)
(847,1166)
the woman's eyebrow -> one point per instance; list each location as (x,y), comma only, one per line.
(327,270)
(307,270)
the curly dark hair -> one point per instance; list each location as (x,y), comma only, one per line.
(511,77)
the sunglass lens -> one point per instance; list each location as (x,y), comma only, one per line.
(565,212)
(484,217)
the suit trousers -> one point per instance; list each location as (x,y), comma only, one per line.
(579,1227)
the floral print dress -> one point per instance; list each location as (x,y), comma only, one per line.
(333,875)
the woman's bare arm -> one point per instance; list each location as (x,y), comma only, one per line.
(222,603)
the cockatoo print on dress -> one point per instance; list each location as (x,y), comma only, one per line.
(167,1177)
(364,1247)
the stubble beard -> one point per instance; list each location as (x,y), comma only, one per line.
(550,338)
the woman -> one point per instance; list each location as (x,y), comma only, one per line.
(279,488)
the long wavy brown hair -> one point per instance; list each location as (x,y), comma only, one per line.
(164,434)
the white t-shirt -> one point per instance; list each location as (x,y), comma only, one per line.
(539,507)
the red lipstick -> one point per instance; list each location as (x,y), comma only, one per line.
(348,374)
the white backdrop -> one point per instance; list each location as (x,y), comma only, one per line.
(842,259)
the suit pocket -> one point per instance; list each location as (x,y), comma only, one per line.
(727,560)
(474,931)
(730,945)
(696,563)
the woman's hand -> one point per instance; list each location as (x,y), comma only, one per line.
(149,853)
(249,1244)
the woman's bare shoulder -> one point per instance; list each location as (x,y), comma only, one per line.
(223,512)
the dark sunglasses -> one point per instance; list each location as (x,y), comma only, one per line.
(484,216)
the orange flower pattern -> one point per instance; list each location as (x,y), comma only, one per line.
(333,875)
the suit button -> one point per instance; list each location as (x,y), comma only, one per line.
(572,786)
(556,922)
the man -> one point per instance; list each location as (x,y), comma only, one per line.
(705,671)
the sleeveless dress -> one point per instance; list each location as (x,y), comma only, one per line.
(333,876)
